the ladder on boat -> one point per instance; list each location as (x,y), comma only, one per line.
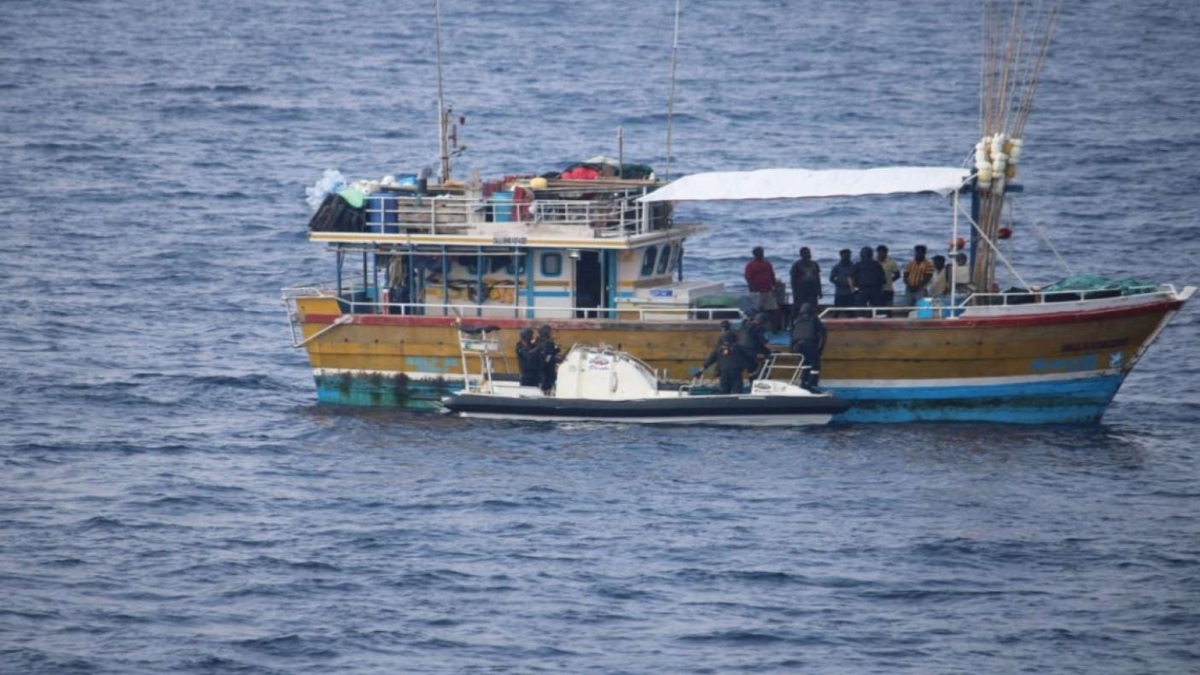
(480,343)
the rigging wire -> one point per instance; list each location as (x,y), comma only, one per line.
(671,91)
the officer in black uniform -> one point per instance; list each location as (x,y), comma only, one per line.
(755,343)
(808,340)
(547,359)
(527,359)
(731,359)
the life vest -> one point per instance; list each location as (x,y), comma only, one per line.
(803,331)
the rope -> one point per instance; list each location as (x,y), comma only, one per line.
(1046,239)
(341,320)
(995,249)
(671,94)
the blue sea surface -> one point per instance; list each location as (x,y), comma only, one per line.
(174,500)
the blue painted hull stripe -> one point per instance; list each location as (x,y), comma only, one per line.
(1103,387)
(1055,402)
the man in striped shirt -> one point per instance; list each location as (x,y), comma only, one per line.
(917,274)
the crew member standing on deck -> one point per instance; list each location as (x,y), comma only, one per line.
(939,285)
(962,275)
(843,285)
(891,271)
(806,280)
(917,274)
(760,277)
(868,277)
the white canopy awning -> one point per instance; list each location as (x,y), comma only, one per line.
(803,183)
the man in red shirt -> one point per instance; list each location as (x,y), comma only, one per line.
(760,277)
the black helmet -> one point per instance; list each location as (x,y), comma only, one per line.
(544,331)
(526,333)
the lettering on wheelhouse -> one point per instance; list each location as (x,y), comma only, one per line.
(1095,345)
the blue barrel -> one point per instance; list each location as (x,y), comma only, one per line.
(502,206)
(382,215)
(925,308)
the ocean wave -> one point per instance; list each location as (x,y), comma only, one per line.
(745,637)
(290,646)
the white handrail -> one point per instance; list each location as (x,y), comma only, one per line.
(414,213)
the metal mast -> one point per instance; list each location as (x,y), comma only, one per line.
(443,112)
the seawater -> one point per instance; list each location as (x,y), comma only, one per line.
(173,500)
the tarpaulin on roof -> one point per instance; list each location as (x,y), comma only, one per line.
(805,183)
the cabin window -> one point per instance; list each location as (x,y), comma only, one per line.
(665,260)
(505,263)
(552,265)
(648,259)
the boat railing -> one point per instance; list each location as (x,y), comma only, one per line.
(598,214)
(866,312)
(559,312)
(1044,296)
(615,216)
(947,307)
(293,293)
(786,367)
(364,300)
(310,290)
(356,299)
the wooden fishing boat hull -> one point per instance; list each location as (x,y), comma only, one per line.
(1060,362)
(1046,364)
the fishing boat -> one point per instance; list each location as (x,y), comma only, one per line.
(594,249)
(601,384)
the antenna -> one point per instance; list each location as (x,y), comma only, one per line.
(671,94)
(620,152)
